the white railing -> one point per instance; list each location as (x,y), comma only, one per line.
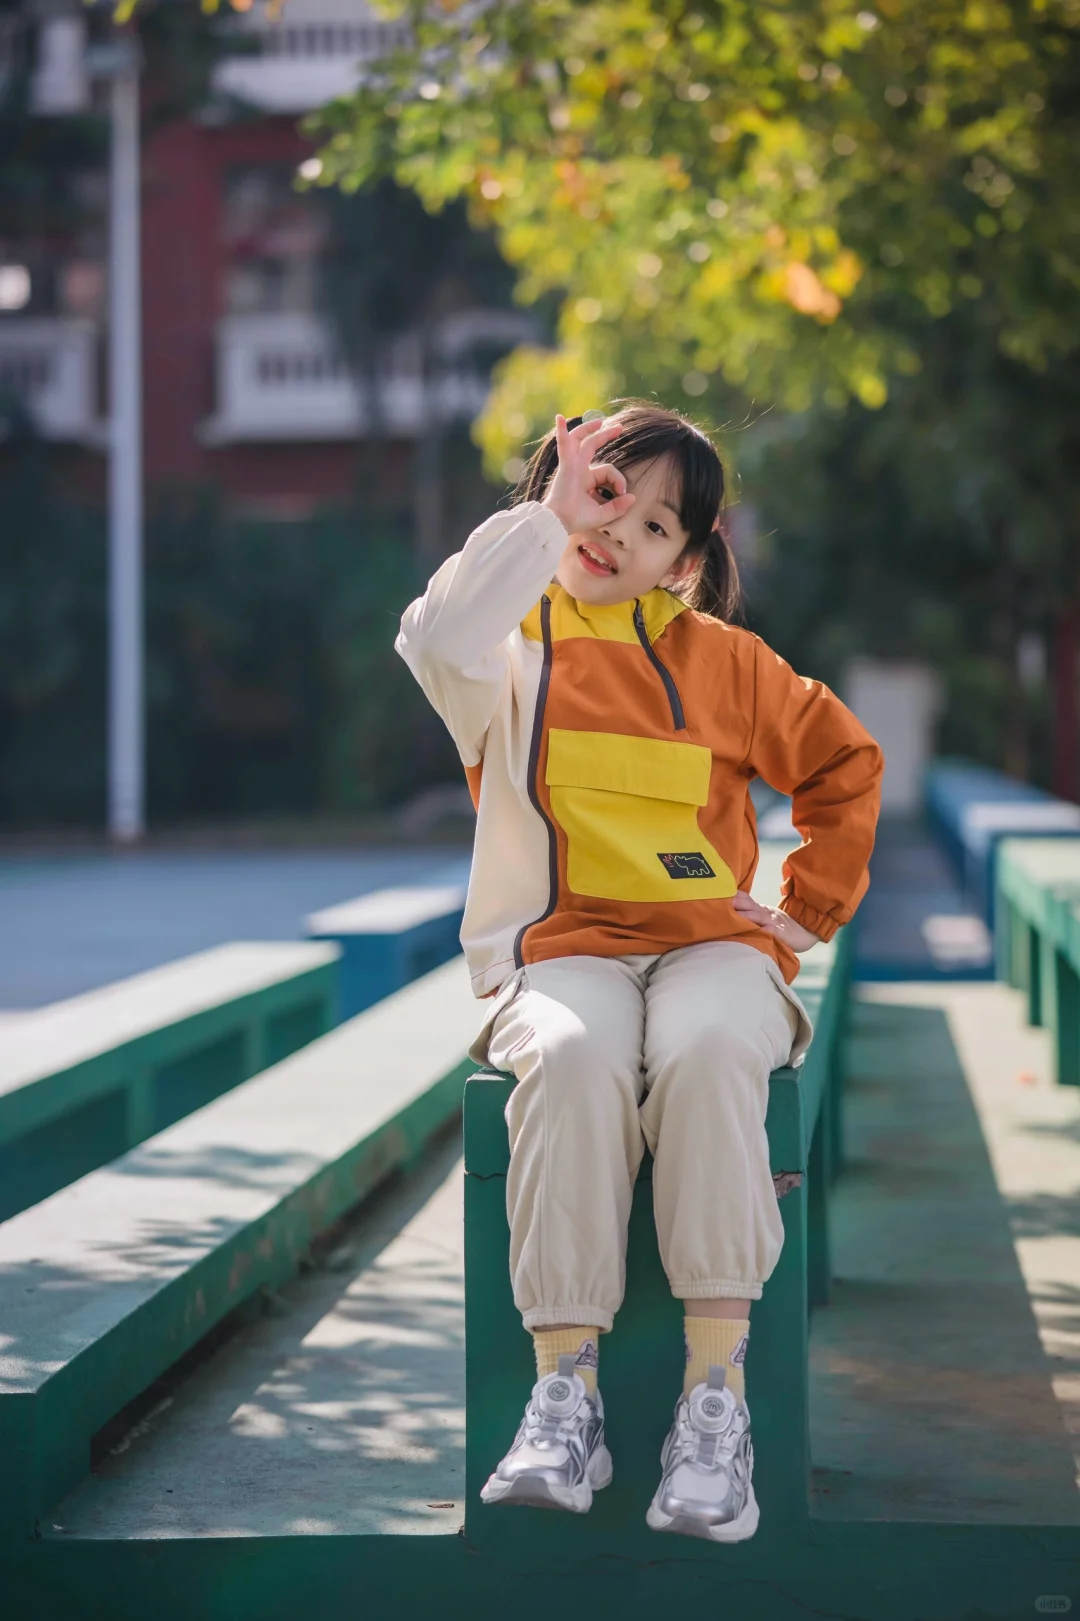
(365,39)
(49,364)
(313,53)
(283,377)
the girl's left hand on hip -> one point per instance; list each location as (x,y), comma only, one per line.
(775,922)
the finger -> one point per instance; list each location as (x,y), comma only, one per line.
(600,433)
(562,436)
(591,423)
(611,477)
(617,506)
(752,910)
(583,435)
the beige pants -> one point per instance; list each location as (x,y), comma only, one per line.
(611,1053)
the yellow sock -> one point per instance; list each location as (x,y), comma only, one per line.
(719,1341)
(580,1343)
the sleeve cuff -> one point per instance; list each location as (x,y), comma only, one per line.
(550,527)
(819,923)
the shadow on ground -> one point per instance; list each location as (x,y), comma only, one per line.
(932,1395)
(340,1411)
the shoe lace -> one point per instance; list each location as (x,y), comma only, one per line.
(550,1427)
(706,1447)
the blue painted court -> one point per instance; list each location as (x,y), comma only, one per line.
(70,924)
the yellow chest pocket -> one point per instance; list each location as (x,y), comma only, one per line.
(628,807)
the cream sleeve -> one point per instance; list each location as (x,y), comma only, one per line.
(454,637)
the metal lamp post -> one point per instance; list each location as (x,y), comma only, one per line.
(118,61)
(126,792)
(59,87)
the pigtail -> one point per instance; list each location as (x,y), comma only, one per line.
(714,588)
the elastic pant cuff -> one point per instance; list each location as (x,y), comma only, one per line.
(715,1289)
(576,1316)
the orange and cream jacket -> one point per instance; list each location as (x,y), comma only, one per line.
(610,751)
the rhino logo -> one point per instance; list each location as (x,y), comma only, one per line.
(686,864)
(587,1356)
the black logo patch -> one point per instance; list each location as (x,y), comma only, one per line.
(686,864)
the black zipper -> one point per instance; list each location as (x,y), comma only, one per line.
(677,716)
(534,766)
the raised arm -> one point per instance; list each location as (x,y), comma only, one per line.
(808,744)
(453,638)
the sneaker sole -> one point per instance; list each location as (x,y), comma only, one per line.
(738,1530)
(532,1492)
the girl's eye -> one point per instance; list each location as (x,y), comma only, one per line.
(657,528)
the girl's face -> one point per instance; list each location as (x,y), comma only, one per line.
(628,557)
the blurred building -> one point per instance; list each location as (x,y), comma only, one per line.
(247,380)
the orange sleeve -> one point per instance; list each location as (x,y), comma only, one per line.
(808,744)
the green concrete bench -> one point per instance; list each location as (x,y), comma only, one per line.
(642,1359)
(83,1080)
(107,1283)
(1037,939)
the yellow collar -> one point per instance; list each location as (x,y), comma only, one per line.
(605,622)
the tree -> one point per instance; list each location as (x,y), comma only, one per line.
(747,192)
(811,206)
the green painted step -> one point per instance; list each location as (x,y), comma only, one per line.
(85,1079)
(107,1283)
(1037,939)
(943,1371)
(336,1409)
(851,1572)
(891,1567)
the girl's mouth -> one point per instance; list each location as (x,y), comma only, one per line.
(596,560)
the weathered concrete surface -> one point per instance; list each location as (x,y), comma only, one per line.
(108,1283)
(946,1368)
(945,1372)
(342,1412)
(58,1037)
(88,1259)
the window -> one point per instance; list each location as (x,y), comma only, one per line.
(273,239)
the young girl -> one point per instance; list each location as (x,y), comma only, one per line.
(611,718)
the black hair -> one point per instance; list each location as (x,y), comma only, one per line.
(648,433)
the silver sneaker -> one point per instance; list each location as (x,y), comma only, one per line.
(706,1489)
(558,1458)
